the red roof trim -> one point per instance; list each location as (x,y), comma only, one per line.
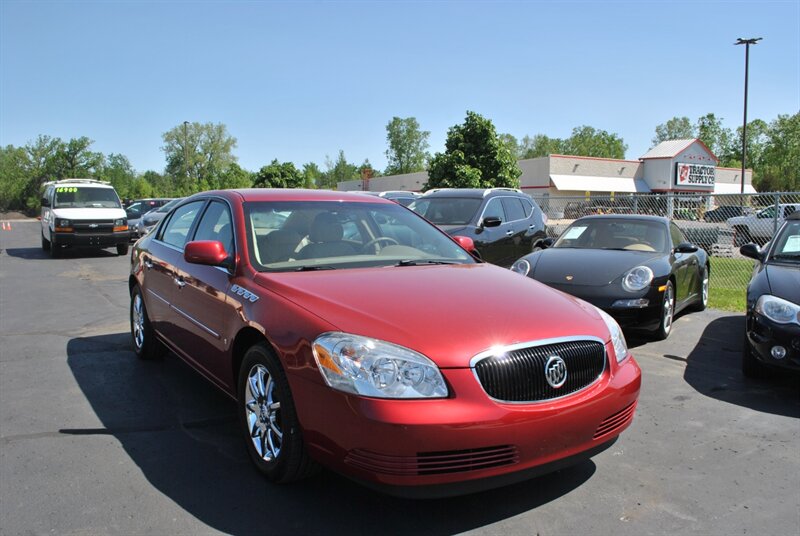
(593,158)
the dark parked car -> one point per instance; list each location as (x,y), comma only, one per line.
(721,214)
(149,220)
(639,269)
(404,363)
(139,208)
(403,197)
(503,223)
(772,334)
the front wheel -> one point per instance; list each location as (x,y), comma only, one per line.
(145,344)
(702,303)
(45,244)
(667,313)
(122,249)
(751,367)
(268,420)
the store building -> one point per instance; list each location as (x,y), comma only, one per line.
(674,166)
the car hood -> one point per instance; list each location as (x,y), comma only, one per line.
(449,313)
(784,281)
(590,267)
(77,214)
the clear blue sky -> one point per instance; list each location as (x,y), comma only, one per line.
(300,80)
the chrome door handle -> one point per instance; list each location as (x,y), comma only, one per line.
(180,282)
(509,233)
(148,264)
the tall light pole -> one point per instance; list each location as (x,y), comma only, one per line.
(186,151)
(746,43)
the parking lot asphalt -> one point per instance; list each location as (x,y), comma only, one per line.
(93,441)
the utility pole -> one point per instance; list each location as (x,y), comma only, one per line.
(746,43)
(186,151)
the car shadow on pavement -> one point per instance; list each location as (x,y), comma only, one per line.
(181,432)
(713,368)
(66,253)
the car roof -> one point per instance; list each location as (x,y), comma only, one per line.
(293,194)
(478,193)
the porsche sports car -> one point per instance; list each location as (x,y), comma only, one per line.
(639,269)
(354,334)
(772,335)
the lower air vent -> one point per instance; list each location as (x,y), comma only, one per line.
(616,421)
(434,463)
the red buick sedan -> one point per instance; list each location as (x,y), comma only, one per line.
(355,335)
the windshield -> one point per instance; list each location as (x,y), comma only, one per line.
(82,197)
(168,206)
(612,233)
(447,210)
(787,243)
(317,235)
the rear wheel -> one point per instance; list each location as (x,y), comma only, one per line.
(122,249)
(268,420)
(702,303)
(667,313)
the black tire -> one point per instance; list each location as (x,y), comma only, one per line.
(122,249)
(146,345)
(751,367)
(702,302)
(45,243)
(667,313)
(55,249)
(287,461)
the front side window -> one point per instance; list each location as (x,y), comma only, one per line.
(321,235)
(216,225)
(176,230)
(494,209)
(677,235)
(85,197)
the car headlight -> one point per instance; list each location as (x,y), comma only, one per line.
(778,310)
(617,337)
(369,367)
(60,222)
(637,279)
(120,222)
(521,266)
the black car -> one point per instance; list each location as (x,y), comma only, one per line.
(772,333)
(504,223)
(722,214)
(639,269)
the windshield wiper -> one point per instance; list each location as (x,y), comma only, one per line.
(409,262)
(784,256)
(313,268)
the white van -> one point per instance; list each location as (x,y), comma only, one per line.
(83,212)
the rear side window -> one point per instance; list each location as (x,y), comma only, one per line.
(176,230)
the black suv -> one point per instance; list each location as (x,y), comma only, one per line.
(505,224)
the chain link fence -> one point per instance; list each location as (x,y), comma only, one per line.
(719,223)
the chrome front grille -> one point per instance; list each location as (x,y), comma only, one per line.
(93,226)
(518,374)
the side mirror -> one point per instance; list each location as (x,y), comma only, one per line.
(45,202)
(548,242)
(685,247)
(208,252)
(491,221)
(751,250)
(466,243)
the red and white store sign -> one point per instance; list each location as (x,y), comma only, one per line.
(694,175)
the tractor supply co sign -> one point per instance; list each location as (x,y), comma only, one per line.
(694,175)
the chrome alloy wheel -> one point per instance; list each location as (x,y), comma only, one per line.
(705,288)
(668,309)
(138,321)
(263,413)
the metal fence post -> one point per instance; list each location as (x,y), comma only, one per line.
(777,198)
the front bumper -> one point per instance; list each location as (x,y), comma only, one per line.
(465,442)
(627,317)
(101,240)
(764,334)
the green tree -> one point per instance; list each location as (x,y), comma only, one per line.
(541,145)
(43,162)
(277,175)
(474,157)
(512,143)
(779,167)
(338,171)
(160,185)
(312,175)
(677,128)
(588,141)
(408,146)
(74,159)
(757,137)
(235,177)
(714,135)
(203,150)
(14,165)
(120,173)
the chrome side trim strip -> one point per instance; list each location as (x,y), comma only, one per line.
(159,297)
(196,322)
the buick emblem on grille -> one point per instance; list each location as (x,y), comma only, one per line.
(555,371)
